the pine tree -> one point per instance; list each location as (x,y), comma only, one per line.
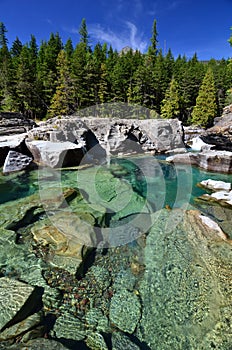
(152,50)
(170,106)
(3,38)
(205,109)
(84,36)
(63,101)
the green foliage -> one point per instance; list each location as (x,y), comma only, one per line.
(170,106)
(55,78)
(63,101)
(205,109)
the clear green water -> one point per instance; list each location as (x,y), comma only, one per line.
(179,280)
(161,183)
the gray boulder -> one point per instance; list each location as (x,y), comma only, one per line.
(16,161)
(55,154)
(12,142)
(216,161)
(220,135)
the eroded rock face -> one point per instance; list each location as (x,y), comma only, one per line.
(216,161)
(220,135)
(114,135)
(55,154)
(185,291)
(16,161)
(14,123)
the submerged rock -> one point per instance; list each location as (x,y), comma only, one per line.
(185,292)
(17,301)
(125,311)
(69,327)
(122,342)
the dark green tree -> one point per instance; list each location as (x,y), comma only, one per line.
(170,106)
(205,109)
(84,36)
(3,38)
(63,101)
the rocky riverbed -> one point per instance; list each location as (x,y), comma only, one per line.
(100,257)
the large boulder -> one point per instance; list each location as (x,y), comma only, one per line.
(55,154)
(113,135)
(16,161)
(129,135)
(14,143)
(220,135)
(18,301)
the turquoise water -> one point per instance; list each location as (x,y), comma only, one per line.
(161,183)
(168,289)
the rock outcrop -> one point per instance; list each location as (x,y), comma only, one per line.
(220,135)
(113,135)
(14,123)
(216,161)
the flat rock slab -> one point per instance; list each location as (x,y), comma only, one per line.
(217,161)
(13,296)
(216,185)
(16,161)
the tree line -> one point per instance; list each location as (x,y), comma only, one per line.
(56,78)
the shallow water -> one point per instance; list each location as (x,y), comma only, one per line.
(173,285)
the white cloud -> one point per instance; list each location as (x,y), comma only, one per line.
(127,37)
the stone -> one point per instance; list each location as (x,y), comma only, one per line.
(95,341)
(125,311)
(69,327)
(16,161)
(103,136)
(22,327)
(185,290)
(216,161)
(41,344)
(199,145)
(17,301)
(12,142)
(220,135)
(215,185)
(14,123)
(121,342)
(68,240)
(55,154)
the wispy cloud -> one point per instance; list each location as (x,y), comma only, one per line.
(127,37)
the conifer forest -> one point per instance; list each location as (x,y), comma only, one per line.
(51,78)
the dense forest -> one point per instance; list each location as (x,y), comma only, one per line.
(56,78)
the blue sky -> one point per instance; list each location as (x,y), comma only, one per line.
(185,26)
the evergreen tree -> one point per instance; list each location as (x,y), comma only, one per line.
(3,38)
(16,48)
(170,106)
(152,50)
(63,101)
(205,109)
(69,49)
(83,31)
(6,72)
